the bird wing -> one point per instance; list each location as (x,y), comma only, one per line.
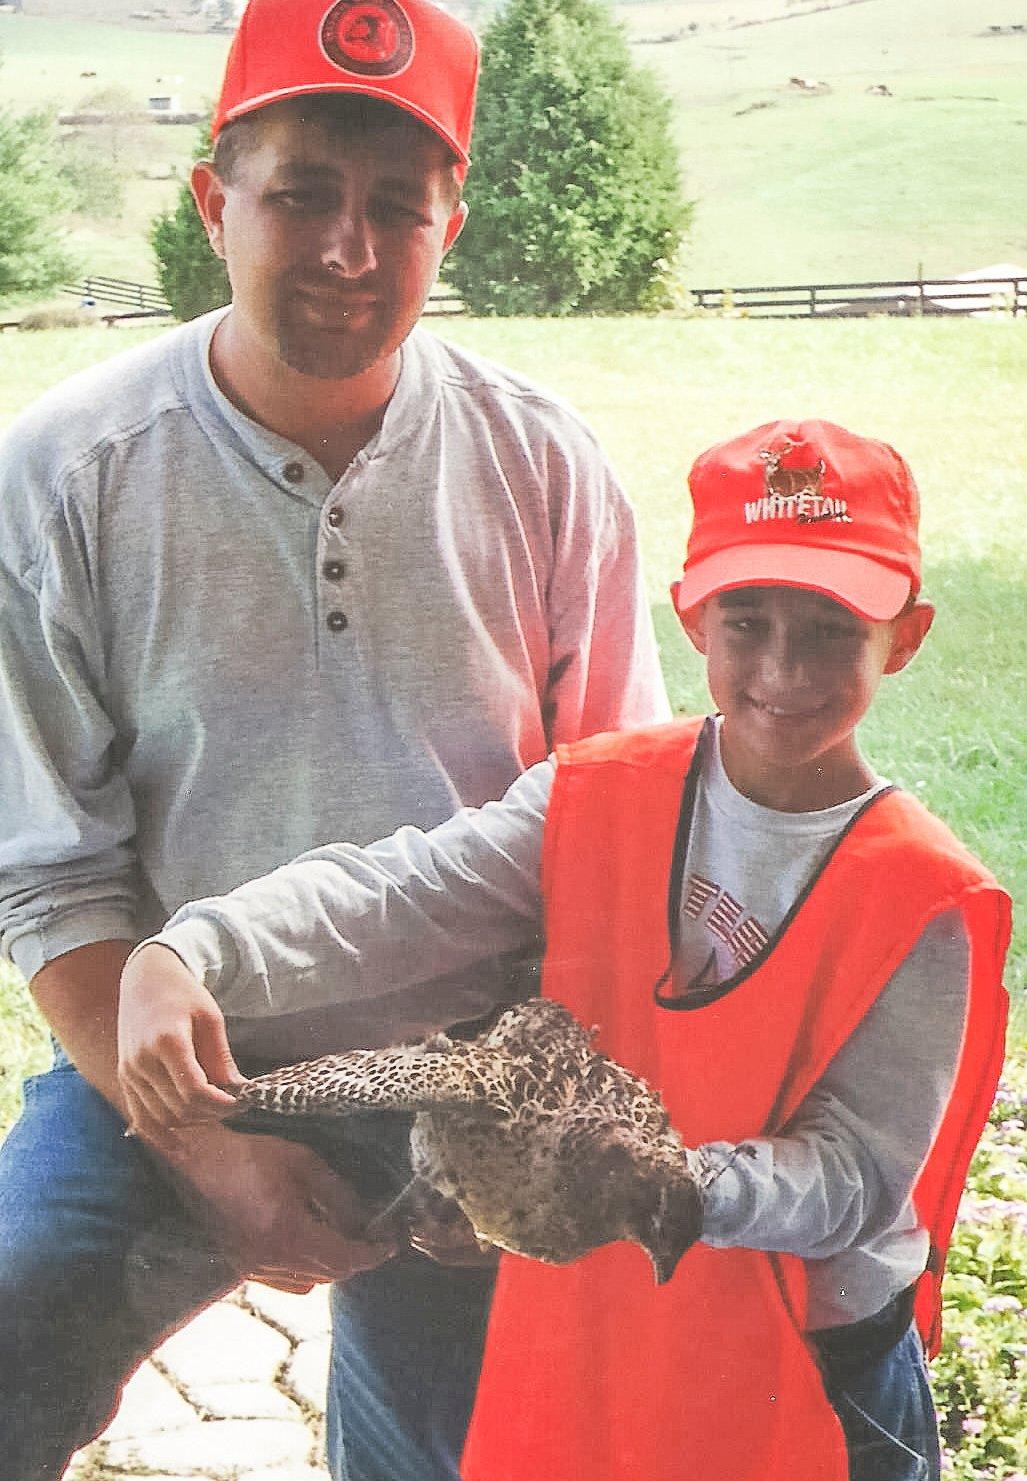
(411,1078)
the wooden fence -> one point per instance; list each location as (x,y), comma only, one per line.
(139,296)
(902,297)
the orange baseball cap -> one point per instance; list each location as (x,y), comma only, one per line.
(804,504)
(409,53)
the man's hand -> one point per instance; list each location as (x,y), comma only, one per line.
(173,1052)
(441,1230)
(276,1208)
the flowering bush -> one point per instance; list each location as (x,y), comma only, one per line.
(980,1375)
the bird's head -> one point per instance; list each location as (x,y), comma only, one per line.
(655,1202)
(669,1220)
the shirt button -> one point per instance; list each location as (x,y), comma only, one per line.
(335,517)
(333,570)
(294,472)
(337,621)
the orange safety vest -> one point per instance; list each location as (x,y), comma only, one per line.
(591,1372)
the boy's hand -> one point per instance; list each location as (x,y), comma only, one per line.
(173,1051)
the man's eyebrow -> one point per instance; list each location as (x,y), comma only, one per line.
(413,188)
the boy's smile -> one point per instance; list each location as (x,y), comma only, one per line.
(793,672)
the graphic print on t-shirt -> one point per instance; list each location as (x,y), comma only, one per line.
(730,934)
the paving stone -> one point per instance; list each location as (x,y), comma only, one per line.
(289,1473)
(224,1342)
(231,1400)
(306,1373)
(218,1447)
(299,1316)
(149,1405)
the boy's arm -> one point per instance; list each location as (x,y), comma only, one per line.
(340,923)
(843,1169)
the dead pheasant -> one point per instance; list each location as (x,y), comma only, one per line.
(549,1148)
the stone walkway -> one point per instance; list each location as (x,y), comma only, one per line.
(237,1395)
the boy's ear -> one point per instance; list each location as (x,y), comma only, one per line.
(694,623)
(908,633)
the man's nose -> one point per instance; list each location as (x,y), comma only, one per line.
(349,245)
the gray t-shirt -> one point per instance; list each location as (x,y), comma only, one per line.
(351,925)
(212,657)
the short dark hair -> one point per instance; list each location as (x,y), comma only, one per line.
(339,113)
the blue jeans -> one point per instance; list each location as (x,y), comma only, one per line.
(99,1260)
(884,1404)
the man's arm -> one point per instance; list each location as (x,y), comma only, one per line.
(605,670)
(277,1208)
(69,875)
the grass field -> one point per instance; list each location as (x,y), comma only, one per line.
(948,394)
(789,186)
(44,62)
(797,187)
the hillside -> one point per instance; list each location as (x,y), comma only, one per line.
(792,183)
(193,16)
(839,182)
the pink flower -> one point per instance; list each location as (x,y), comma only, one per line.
(1003,1303)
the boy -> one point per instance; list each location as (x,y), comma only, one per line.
(802,960)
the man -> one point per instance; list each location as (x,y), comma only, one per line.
(292,572)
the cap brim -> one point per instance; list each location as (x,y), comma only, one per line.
(868,588)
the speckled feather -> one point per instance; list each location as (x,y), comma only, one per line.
(550,1148)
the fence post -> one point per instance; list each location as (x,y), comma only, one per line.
(812,300)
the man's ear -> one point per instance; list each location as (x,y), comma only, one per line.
(209,195)
(455,226)
(693,621)
(908,633)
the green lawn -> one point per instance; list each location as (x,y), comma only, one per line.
(949,395)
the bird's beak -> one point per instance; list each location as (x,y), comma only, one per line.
(664,1263)
(675,1226)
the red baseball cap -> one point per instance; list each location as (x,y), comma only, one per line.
(409,53)
(804,504)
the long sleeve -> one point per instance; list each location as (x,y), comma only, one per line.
(605,670)
(67,866)
(344,924)
(840,1174)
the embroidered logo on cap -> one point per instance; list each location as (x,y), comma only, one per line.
(794,493)
(372,38)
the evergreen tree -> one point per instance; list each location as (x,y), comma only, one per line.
(33,198)
(193,279)
(575,193)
